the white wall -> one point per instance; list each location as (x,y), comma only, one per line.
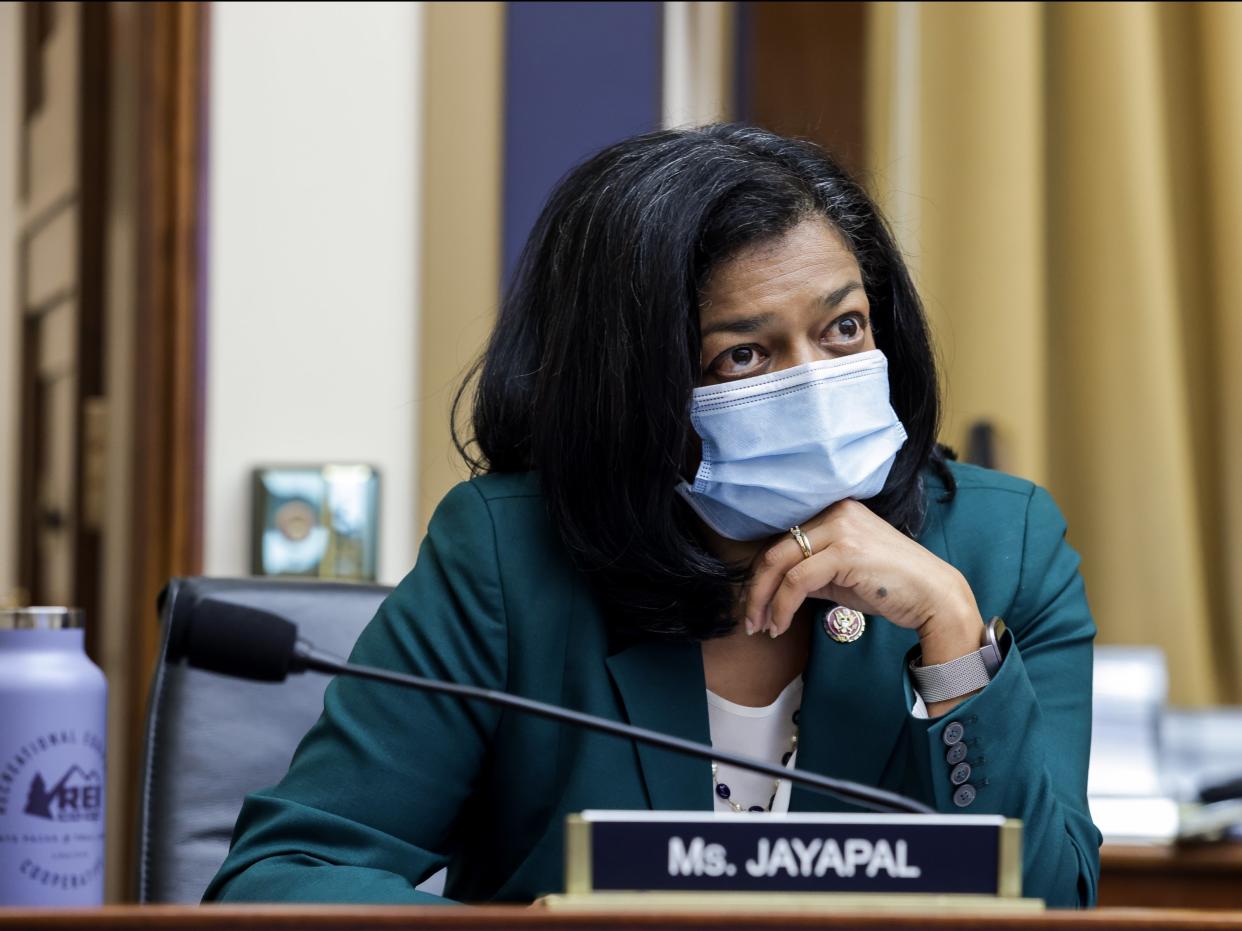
(313,206)
(10,324)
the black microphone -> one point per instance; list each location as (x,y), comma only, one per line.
(253,644)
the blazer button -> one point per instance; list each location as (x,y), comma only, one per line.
(961,772)
(956,754)
(953,733)
(964,795)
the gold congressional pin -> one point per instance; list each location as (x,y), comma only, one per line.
(844,625)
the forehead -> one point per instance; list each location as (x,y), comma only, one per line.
(810,258)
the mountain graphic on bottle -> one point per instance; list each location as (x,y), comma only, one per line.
(74,798)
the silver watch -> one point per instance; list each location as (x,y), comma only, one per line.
(964,674)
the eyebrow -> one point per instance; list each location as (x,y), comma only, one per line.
(836,297)
(759,321)
(739,325)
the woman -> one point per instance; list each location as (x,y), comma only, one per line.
(708,500)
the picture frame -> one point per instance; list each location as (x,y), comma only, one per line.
(315,521)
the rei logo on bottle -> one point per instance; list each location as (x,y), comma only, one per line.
(76,796)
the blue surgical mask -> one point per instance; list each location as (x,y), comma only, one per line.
(780,448)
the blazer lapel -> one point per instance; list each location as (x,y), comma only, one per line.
(852,709)
(662,688)
(853,699)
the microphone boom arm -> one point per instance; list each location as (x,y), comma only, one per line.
(307,657)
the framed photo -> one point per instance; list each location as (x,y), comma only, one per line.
(318,521)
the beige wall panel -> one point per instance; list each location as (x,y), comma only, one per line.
(699,52)
(461,221)
(53,138)
(52,259)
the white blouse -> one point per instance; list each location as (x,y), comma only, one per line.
(764,733)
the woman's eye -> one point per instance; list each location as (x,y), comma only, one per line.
(847,329)
(740,360)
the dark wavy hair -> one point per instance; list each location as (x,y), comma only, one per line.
(588,374)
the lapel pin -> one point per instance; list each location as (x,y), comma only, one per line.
(844,625)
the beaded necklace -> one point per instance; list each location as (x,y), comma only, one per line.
(724,792)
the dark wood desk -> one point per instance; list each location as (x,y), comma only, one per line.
(435,918)
(1207,876)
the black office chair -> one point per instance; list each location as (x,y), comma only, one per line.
(212,739)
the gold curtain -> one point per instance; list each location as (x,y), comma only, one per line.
(1067,181)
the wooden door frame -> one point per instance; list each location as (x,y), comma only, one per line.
(170,337)
(802,72)
(94,172)
(170,344)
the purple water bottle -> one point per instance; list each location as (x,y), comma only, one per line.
(53,715)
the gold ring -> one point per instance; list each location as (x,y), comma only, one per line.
(802,541)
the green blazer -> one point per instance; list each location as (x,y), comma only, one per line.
(390,784)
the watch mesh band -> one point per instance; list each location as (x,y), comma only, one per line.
(950,680)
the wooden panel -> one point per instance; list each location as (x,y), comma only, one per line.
(169,325)
(169,370)
(37,23)
(52,131)
(56,491)
(92,159)
(115,608)
(57,342)
(51,257)
(1196,876)
(48,269)
(67,143)
(29,465)
(806,69)
(92,491)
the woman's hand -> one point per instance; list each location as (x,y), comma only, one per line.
(860,561)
